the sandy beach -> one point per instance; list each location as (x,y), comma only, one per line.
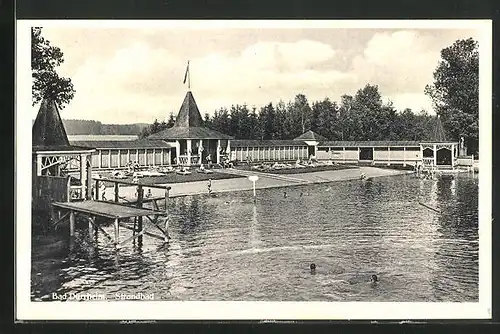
(266,180)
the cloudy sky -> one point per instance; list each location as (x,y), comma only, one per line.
(135,75)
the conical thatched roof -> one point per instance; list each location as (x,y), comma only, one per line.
(189,116)
(311,135)
(438,134)
(48,129)
(188,124)
(48,133)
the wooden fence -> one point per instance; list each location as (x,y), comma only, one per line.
(49,189)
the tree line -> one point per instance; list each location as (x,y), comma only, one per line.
(360,117)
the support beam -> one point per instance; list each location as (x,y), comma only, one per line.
(218,151)
(38,165)
(60,219)
(117,189)
(453,156)
(154,156)
(119,158)
(177,150)
(189,148)
(99,164)
(91,227)
(140,196)
(83,174)
(89,176)
(435,155)
(72,223)
(128,156)
(117,230)
(200,152)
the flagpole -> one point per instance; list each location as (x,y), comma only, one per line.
(189,78)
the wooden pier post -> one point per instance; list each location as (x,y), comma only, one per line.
(140,196)
(117,231)
(96,190)
(167,218)
(116,192)
(72,224)
(91,228)
(68,189)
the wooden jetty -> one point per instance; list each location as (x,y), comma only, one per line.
(118,212)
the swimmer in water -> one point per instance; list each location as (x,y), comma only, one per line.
(374,278)
(285,195)
(313,268)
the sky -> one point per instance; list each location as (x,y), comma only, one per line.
(129,75)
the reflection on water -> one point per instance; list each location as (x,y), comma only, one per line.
(230,248)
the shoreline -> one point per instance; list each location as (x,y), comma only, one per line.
(265,181)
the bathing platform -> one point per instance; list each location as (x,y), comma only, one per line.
(122,216)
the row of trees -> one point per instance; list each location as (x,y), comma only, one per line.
(454,92)
(359,117)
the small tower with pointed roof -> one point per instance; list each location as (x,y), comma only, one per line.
(193,141)
(52,152)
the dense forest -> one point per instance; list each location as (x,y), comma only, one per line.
(85,127)
(360,117)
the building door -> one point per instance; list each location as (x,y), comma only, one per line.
(310,151)
(366,153)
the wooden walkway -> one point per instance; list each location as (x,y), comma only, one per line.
(107,209)
(115,211)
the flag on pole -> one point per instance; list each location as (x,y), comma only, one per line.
(186,74)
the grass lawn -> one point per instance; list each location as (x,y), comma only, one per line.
(175,178)
(299,170)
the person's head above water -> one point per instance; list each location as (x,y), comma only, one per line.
(374,278)
(312,266)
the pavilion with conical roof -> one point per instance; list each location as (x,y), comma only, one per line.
(52,154)
(193,141)
(439,151)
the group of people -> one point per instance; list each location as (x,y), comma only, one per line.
(132,166)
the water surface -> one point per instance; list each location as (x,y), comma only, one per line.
(228,248)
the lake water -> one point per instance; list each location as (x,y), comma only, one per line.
(228,248)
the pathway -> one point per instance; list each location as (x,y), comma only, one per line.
(265,181)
